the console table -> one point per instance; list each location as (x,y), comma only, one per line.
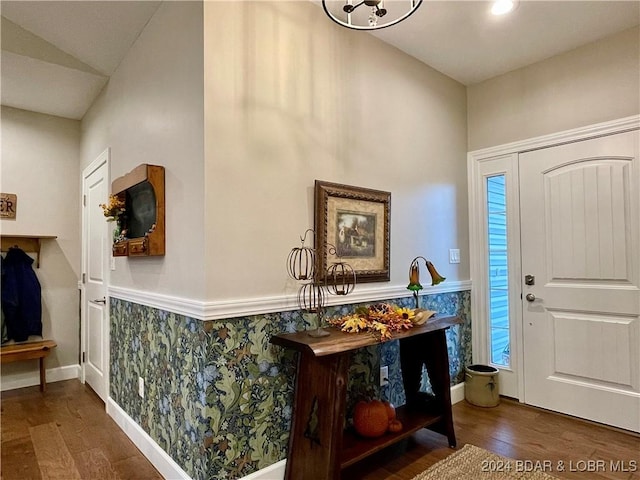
(319,448)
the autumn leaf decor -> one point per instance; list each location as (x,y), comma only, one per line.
(113,209)
(381,319)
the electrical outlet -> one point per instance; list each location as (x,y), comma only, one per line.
(384,376)
(141,387)
(454,255)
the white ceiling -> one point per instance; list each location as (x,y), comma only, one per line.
(464,41)
(58,55)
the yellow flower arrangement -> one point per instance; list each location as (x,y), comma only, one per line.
(113,209)
(381,319)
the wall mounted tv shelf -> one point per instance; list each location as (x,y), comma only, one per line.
(142,191)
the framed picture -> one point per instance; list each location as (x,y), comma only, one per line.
(356,221)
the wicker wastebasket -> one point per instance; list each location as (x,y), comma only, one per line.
(481,386)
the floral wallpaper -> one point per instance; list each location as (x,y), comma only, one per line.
(218,396)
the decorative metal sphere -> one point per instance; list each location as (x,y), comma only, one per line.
(311,297)
(340,279)
(301,263)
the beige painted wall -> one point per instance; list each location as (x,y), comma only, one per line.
(290,98)
(40,161)
(151,112)
(591,84)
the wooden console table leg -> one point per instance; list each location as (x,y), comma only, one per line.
(436,359)
(318,417)
(411,360)
(43,375)
(431,350)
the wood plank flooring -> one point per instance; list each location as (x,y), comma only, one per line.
(518,432)
(65,434)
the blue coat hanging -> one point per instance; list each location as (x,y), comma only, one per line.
(21,296)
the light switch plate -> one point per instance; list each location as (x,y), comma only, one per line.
(384,376)
(454,255)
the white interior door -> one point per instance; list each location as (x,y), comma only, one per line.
(580,214)
(96,254)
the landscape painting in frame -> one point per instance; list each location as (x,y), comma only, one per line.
(353,225)
(355,234)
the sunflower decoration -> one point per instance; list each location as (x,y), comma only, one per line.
(380,319)
(406,313)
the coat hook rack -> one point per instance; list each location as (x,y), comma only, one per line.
(28,243)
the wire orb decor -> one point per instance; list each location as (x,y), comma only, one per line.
(340,279)
(301,262)
(311,297)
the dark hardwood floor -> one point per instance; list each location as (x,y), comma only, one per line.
(519,432)
(65,434)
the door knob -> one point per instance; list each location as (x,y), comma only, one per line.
(101,300)
(530,297)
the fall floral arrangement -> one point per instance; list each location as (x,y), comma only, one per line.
(381,319)
(113,209)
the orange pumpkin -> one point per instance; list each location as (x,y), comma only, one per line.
(391,410)
(395,426)
(370,419)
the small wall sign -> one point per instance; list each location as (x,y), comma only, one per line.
(8,205)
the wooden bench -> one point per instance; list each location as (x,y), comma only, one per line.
(26,351)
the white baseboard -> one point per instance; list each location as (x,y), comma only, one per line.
(457,393)
(272,472)
(160,459)
(31,378)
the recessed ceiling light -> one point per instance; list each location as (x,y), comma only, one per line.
(502,7)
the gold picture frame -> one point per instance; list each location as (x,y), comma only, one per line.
(357,222)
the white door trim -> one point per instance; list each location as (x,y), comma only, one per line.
(104,157)
(582,133)
(476,218)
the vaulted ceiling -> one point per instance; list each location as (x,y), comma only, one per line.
(58,55)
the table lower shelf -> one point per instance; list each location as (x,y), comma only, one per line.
(356,448)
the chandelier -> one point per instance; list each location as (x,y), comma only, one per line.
(369,14)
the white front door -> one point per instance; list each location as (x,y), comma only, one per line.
(96,254)
(580,241)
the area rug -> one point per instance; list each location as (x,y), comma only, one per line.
(475,463)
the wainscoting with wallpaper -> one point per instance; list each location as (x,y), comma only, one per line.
(218,396)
